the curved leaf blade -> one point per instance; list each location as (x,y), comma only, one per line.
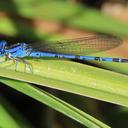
(54,102)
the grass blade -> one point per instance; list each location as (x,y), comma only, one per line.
(73,77)
(55,103)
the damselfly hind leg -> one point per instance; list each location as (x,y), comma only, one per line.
(18,60)
(27,64)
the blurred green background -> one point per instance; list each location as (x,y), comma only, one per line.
(40,20)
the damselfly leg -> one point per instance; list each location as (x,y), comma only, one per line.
(27,64)
(19,60)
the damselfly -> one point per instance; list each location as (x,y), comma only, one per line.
(70,49)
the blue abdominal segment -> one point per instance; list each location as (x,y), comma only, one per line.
(55,55)
(87,58)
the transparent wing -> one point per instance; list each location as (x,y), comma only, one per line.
(85,45)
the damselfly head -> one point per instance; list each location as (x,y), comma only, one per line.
(3,45)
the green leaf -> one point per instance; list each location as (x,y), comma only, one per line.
(73,77)
(55,103)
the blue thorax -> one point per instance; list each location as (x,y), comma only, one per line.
(19,50)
